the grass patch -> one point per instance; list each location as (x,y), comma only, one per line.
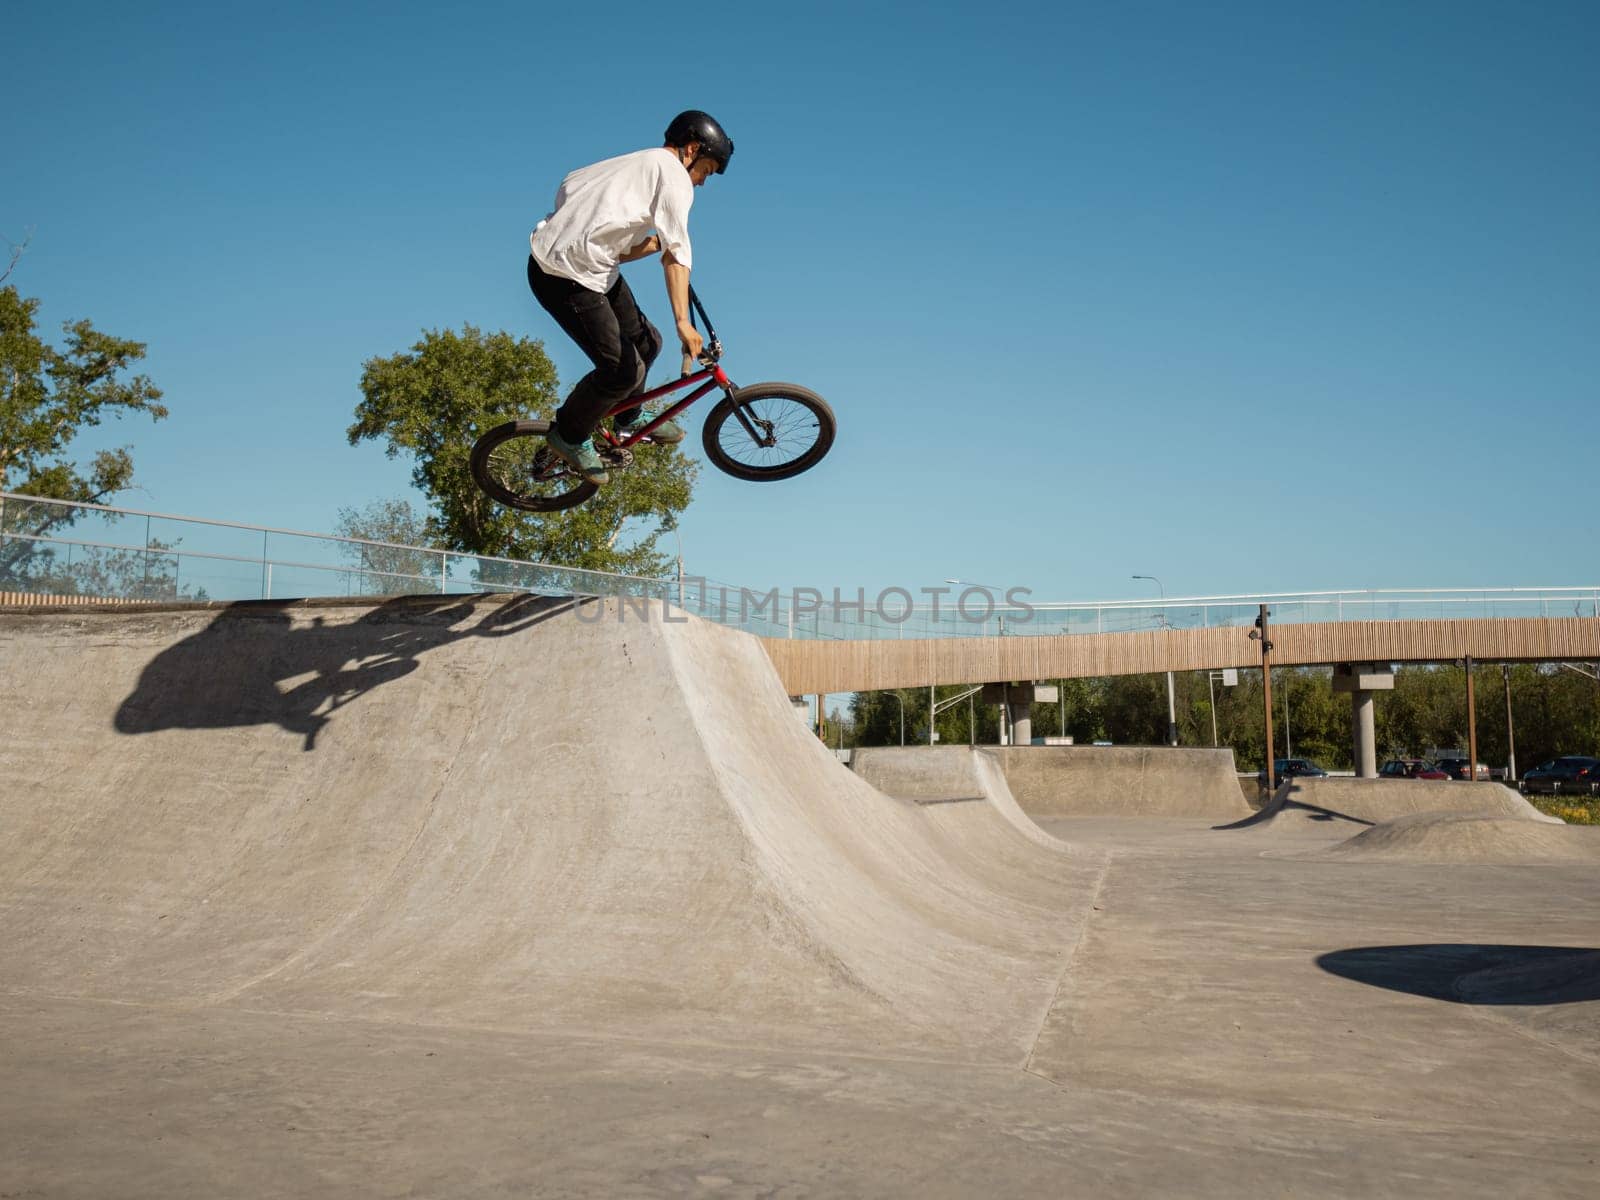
(1574,810)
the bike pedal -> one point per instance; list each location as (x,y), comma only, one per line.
(547,465)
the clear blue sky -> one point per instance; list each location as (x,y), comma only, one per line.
(1248,296)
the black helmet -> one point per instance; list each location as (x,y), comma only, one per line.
(696,126)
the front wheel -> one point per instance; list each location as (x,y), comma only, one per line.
(513,464)
(768,431)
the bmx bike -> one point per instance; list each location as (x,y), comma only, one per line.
(761,432)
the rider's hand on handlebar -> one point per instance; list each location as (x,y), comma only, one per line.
(692,342)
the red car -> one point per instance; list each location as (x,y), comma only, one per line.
(1410,768)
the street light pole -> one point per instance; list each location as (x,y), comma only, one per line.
(1172,703)
(972,722)
(1511,733)
(1288,740)
(1260,634)
(1472,726)
(899,699)
(1211,693)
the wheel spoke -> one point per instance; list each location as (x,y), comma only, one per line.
(787,424)
(517,467)
(528,470)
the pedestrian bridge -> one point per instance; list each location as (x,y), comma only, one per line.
(813,666)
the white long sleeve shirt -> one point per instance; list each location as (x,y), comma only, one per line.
(604,210)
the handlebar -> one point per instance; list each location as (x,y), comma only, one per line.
(712,351)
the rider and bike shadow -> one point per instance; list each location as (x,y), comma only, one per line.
(254,665)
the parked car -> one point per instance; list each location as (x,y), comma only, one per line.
(1461,768)
(1287,768)
(1571,774)
(1410,768)
(1291,768)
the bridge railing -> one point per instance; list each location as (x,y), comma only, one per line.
(51,547)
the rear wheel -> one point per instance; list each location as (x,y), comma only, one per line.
(513,464)
(768,431)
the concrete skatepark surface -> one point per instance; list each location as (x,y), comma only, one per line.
(456,896)
(1357,802)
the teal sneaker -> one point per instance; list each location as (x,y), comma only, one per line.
(668,433)
(582,457)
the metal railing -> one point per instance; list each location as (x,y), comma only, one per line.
(52,547)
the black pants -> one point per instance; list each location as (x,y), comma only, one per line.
(611,330)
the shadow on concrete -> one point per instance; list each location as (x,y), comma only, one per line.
(1310,811)
(1470,973)
(250,665)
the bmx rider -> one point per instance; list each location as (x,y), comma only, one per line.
(612,212)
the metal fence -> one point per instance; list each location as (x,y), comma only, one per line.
(51,547)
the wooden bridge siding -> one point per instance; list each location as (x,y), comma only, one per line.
(809,667)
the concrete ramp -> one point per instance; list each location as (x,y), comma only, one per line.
(1435,837)
(498,813)
(956,775)
(926,774)
(1369,801)
(1134,781)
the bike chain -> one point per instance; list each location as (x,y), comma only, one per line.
(548,465)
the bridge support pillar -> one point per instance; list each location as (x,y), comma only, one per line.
(1021,722)
(1018,700)
(1360,680)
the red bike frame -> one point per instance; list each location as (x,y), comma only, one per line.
(709,378)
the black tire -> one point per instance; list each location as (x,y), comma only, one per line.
(797,421)
(503,464)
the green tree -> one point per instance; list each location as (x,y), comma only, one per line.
(876,717)
(1556,710)
(48,396)
(433,401)
(148,573)
(390,553)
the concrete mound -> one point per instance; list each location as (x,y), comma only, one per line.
(953,775)
(1369,801)
(1133,781)
(1469,838)
(504,813)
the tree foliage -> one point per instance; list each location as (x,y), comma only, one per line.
(389,555)
(1554,710)
(48,396)
(875,717)
(433,401)
(117,572)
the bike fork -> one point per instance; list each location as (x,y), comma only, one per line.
(761,437)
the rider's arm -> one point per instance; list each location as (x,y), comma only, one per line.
(650,245)
(678,293)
